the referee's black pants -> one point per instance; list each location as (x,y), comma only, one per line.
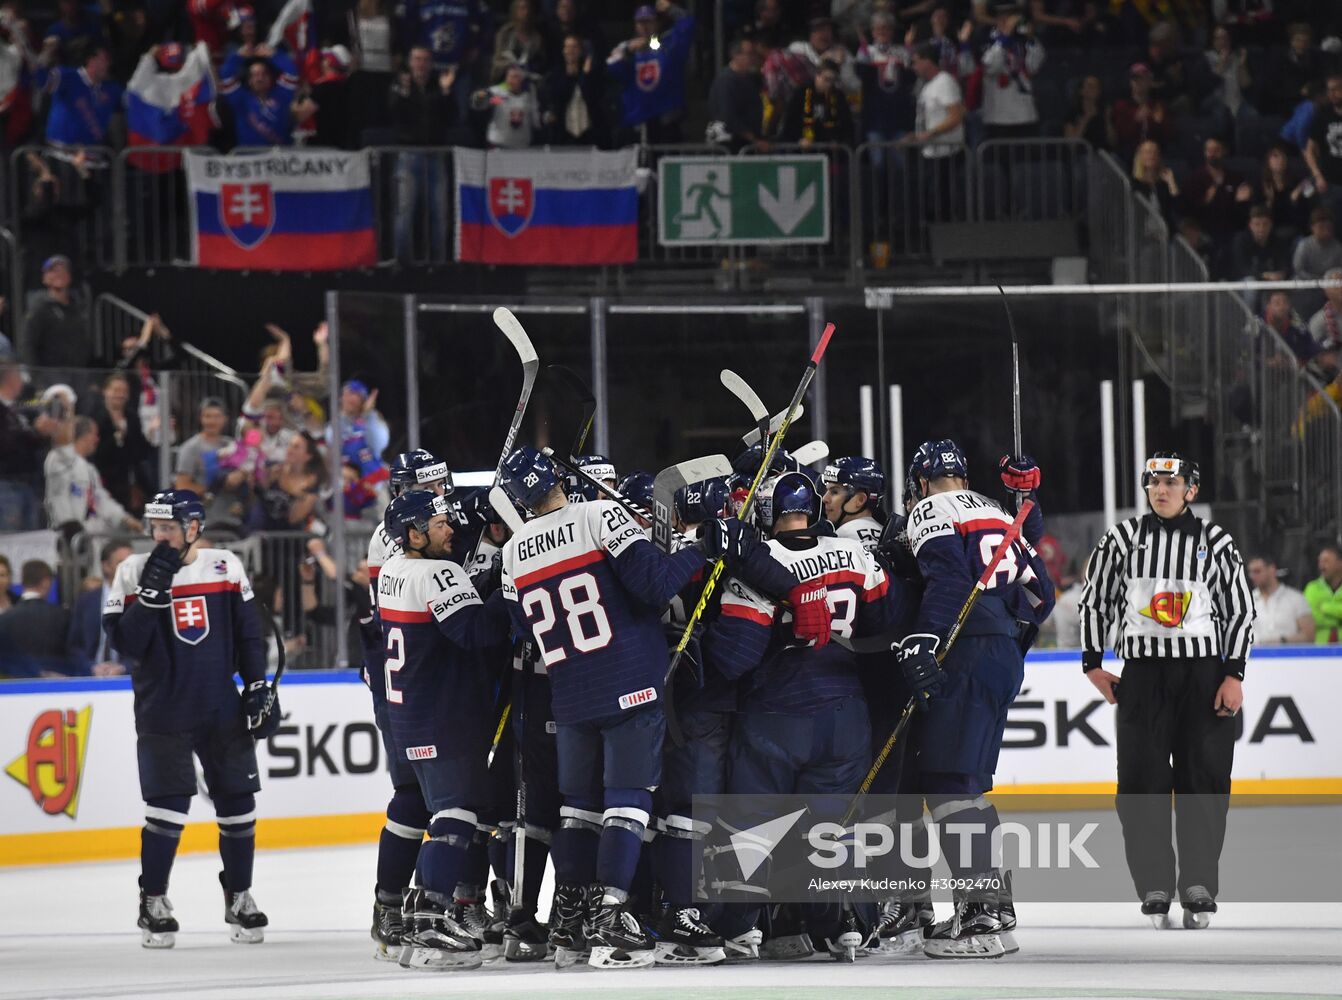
(1171,740)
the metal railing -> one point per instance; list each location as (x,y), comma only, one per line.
(1038,180)
(902,189)
(1110,220)
(67,205)
(841,249)
(1187,347)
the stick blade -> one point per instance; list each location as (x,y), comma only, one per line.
(811,452)
(739,388)
(512,329)
(775,422)
(503,506)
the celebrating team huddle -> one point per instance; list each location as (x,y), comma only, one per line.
(559,665)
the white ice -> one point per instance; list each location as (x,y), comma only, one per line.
(69,932)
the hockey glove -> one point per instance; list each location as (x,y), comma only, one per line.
(1020,473)
(810,613)
(261,706)
(725,538)
(917,657)
(155,587)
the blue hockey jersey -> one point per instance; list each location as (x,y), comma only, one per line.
(792,679)
(437,634)
(590,588)
(653,78)
(183,658)
(450,29)
(953,536)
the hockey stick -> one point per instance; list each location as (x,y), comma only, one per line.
(503,506)
(741,389)
(579,388)
(507,323)
(1015,373)
(669,480)
(281,655)
(630,508)
(811,452)
(775,423)
(792,411)
(989,571)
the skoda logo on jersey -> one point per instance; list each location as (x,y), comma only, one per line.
(247,213)
(511,202)
(190,619)
(649,75)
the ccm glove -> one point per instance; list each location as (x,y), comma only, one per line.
(1020,473)
(725,538)
(810,613)
(155,587)
(917,657)
(261,706)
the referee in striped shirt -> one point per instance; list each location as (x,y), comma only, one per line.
(1175,589)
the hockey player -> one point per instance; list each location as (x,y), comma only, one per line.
(637,488)
(184,618)
(1177,590)
(954,532)
(589,588)
(600,468)
(407,815)
(853,490)
(435,629)
(803,725)
(697,503)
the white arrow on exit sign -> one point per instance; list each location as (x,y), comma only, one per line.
(788,207)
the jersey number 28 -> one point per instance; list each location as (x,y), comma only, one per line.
(585,619)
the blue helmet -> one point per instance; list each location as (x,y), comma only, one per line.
(858,475)
(599,467)
(637,486)
(528,477)
(747,463)
(412,509)
(698,502)
(935,459)
(579,490)
(790,493)
(182,506)
(417,469)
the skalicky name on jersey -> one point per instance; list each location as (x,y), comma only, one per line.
(546,541)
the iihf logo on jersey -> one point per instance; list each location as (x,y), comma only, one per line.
(190,619)
(247,213)
(511,202)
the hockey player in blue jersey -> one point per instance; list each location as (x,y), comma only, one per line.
(589,587)
(436,632)
(407,815)
(854,487)
(803,724)
(184,617)
(954,533)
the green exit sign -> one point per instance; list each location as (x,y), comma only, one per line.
(735,200)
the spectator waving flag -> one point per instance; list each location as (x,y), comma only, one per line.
(295,210)
(16,104)
(556,207)
(170,102)
(293,28)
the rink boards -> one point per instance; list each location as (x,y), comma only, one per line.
(70,790)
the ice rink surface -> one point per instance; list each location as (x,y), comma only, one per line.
(69,932)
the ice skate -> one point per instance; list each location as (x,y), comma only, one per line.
(1198,908)
(788,938)
(744,947)
(387,926)
(900,928)
(432,940)
(158,927)
(1156,905)
(568,913)
(524,940)
(246,923)
(616,939)
(682,938)
(472,915)
(843,947)
(974,931)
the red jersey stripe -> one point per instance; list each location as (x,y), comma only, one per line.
(545,572)
(392,615)
(748,613)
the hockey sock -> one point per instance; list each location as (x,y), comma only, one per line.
(164,819)
(967,825)
(575,845)
(398,846)
(500,848)
(443,858)
(625,820)
(640,892)
(476,873)
(673,864)
(236,815)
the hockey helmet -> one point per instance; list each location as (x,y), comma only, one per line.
(936,459)
(181,506)
(1170,463)
(698,502)
(637,486)
(412,509)
(419,469)
(790,493)
(599,467)
(528,477)
(857,475)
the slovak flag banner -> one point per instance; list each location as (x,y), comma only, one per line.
(170,109)
(556,207)
(283,210)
